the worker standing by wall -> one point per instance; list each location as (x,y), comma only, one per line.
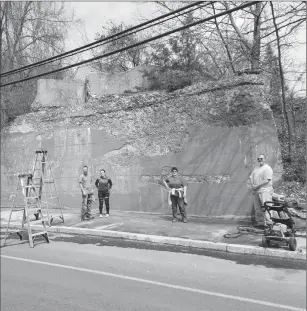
(261,182)
(85,182)
(178,186)
(104,185)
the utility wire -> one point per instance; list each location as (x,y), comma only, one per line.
(138,43)
(54,58)
(29,67)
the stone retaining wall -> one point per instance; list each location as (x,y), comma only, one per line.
(212,132)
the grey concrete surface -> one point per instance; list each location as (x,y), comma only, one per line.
(198,232)
(66,276)
(117,83)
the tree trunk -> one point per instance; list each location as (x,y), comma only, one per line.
(223,41)
(283,101)
(255,51)
(292,102)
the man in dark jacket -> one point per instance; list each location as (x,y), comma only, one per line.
(104,185)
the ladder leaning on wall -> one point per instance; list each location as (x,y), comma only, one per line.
(44,180)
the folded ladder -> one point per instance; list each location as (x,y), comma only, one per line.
(44,181)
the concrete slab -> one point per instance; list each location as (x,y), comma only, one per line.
(117,83)
(59,93)
(198,233)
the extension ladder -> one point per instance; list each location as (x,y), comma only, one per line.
(44,181)
(31,202)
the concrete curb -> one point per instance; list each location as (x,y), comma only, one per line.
(207,245)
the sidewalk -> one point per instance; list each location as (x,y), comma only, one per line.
(198,232)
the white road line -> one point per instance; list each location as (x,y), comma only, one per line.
(188,289)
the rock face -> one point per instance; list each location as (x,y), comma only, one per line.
(212,132)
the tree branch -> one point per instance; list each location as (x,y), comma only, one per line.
(299,21)
(234,25)
(222,38)
(284,108)
(286,34)
(22,21)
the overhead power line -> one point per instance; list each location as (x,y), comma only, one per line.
(97,42)
(138,43)
(118,37)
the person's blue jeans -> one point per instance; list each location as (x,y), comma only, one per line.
(86,205)
(177,201)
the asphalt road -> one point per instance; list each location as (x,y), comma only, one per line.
(70,276)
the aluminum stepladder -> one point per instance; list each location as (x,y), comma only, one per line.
(44,181)
(31,202)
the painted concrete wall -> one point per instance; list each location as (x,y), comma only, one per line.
(225,155)
(59,93)
(118,83)
(135,144)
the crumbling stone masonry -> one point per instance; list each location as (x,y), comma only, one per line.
(211,131)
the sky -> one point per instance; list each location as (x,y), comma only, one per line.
(95,14)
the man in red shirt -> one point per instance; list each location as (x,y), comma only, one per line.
(178,186)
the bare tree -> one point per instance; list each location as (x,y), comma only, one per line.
(224,41)
(255,50)
(283,94)
(122,61)
(30,32)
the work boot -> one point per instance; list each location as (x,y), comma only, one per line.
(174,220)
(184,220)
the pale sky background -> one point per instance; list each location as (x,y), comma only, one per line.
(95,14)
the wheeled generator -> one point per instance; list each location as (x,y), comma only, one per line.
(280,225)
